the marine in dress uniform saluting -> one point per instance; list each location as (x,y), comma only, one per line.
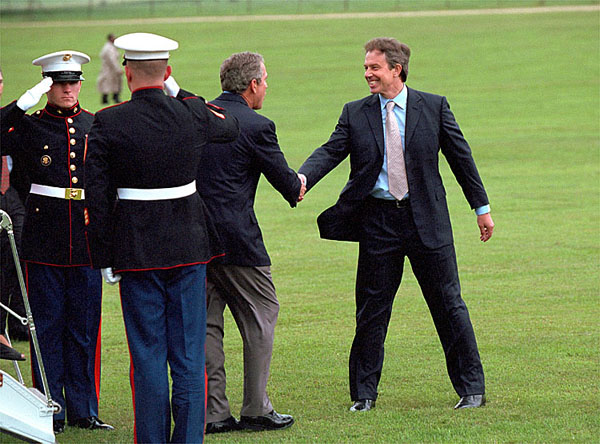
(64,291)
(149,229)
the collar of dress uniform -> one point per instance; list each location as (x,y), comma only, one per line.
(147,88)
(62,113)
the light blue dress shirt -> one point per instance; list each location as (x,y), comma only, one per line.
(381,188)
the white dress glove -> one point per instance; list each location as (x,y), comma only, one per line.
(109,277)
(171,87)
(32,96)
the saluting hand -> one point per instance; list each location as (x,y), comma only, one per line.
(171,86)
(32,96)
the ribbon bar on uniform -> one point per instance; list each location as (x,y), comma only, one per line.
(61,193)
(157,193)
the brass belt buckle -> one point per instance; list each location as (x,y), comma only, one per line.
(73,193)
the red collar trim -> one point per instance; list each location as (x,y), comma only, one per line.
(62,113)
(147,87)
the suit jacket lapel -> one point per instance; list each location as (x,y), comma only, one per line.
(373,112)
(413,112)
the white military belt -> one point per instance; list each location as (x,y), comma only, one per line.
(157,193)
(61,193)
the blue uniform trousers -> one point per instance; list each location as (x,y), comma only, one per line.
(165,321)
(66,304)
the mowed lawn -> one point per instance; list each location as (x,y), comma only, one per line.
(525,90)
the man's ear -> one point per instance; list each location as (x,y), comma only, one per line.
(168,72)
(398,69)
(254,85)
(127,73)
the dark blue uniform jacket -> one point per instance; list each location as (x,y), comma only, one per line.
(50,146)
(152,141)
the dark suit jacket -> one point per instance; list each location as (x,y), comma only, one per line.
(151,141)
(228,178)
(430,127)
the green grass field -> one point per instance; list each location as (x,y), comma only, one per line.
(15,10)
(526,91)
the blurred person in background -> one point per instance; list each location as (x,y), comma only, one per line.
(109,81)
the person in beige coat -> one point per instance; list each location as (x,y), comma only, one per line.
(110,78)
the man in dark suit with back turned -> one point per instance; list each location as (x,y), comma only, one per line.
(227,181)
(394,205)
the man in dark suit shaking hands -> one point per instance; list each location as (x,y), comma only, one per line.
(394,205)
(242,278)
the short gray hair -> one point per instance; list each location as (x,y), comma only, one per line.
(239,69)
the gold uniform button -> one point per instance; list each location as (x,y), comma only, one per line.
(70,120)
(73,141)
(72,155)
(72,130)
(72,167)
(45,147)
(74,180)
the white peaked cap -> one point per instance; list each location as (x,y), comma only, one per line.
(66,60)
(145,46)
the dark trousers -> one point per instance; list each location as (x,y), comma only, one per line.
(388,236)
(115,97)
(66,304)
(10,289)
(165,322)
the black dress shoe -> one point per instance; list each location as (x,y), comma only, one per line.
(59,426)
(363,405)
(470,401)
(270,421)
(10,353)
(227,425)
(91,423)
